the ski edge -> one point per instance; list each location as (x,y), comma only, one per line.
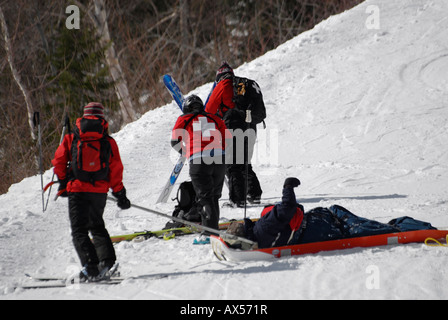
(40,285)
(166,191)
(63,279)
(45,282)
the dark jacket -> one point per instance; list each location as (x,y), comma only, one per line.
(231,108)
(274,228)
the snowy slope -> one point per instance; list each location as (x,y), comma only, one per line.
(359,115)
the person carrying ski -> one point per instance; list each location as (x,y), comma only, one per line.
(231,99)
(88,164)
(201,138)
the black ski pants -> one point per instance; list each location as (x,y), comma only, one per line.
(86,215)
(236,172)
(208,180)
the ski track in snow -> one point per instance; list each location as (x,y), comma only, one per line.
(359,115)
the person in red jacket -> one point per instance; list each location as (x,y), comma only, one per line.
(232,110)
(221,98)
(201,137)
(87,189)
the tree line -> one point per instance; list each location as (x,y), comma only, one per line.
(118,55)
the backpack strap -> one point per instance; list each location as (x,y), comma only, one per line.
(239,89)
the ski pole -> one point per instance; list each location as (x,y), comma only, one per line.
(36,122)
(50,185)
(192,224)
(246,158)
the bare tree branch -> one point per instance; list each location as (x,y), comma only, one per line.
(16,75)
(99,19)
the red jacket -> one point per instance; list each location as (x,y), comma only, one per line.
(221,98)
(63,156)
(200,133)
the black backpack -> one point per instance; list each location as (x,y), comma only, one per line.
(186,197)
(247,95)
(90,150)
(187,208)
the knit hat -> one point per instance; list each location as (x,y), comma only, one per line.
(224,69)
(94,109)
(236,228)
(243,230)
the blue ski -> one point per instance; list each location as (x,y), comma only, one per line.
(174,90)
(172,180)
(177,95)
(210,93)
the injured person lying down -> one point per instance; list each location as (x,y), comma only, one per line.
(286,223)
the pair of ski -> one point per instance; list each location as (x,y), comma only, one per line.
(40,282)
(179,98)
(48,283)
(166,234)
(107,276)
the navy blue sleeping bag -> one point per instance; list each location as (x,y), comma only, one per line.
(410,224)
(319,224)
(354,226)
(336,222)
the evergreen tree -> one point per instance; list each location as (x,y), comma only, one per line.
(82,75)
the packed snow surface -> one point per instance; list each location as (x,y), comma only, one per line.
(357,109)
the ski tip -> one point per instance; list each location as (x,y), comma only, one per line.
(167,78)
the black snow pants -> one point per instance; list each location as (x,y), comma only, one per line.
(236,173)
(208,180)
(86,215)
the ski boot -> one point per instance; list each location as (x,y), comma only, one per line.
(202,239)
(107,270)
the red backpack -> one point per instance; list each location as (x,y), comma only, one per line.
(90,150)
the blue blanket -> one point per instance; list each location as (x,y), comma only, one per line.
(336,222)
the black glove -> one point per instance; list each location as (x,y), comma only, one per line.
(291,182)
(122,201)
(62,190)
